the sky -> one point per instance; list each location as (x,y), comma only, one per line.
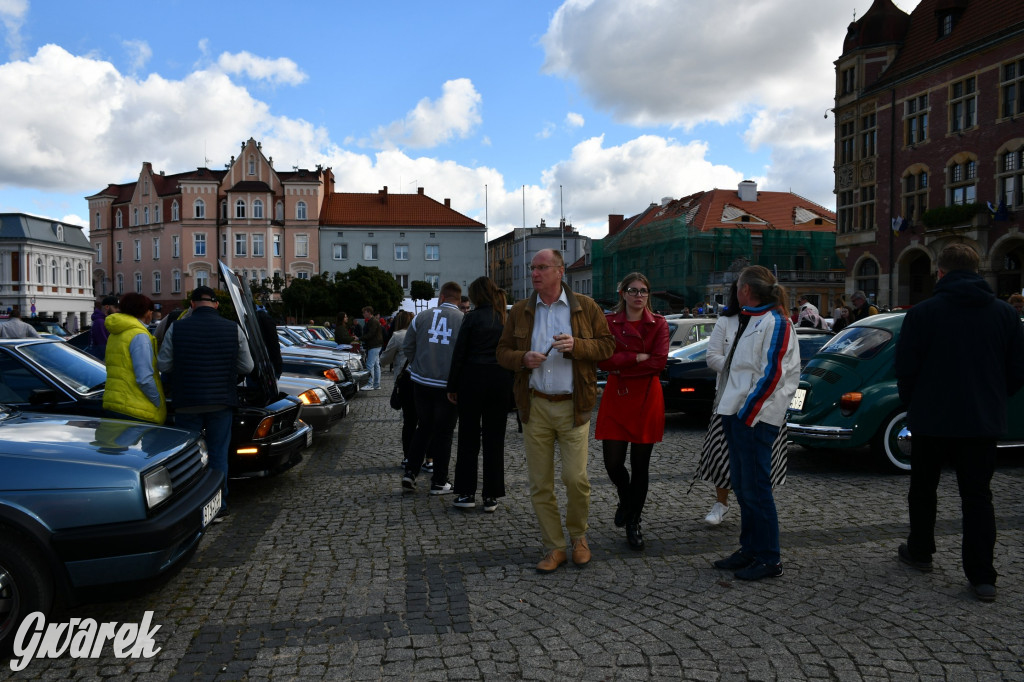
(516,111)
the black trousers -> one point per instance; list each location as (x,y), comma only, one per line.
(409,418)
(483,413)
(435,429)
(632,489)
(974,461)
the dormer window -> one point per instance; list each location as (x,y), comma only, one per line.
(946,22)
(252,165)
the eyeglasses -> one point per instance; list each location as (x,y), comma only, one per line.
(633,291)
(542,268)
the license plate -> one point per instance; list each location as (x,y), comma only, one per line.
(797,403)
(211,509)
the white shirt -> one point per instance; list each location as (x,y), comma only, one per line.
(555,375)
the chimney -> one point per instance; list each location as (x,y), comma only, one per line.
(615,222)
(419,190)
(748,190)
(383,193)
(447,203)
(665,201)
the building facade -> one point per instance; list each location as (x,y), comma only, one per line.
(411,236)
(929,135)
(162,235)
(45,269)
(509,256)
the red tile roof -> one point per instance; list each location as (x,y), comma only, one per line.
(409,210)
(722,208)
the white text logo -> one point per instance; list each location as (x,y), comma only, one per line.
(82,638)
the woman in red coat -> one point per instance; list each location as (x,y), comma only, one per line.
(632,407)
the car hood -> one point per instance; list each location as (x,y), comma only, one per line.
(263,375)
(294,385)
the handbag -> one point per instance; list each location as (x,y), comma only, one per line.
(401,386)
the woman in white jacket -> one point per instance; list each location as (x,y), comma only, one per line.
(762,378)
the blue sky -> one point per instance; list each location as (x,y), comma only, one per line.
(586,107)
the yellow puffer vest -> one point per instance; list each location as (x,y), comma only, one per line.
(122,393)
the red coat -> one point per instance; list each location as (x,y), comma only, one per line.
(632,406)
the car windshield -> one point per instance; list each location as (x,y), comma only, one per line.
(858,342)
(76,370)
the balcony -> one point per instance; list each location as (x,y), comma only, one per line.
(787,277)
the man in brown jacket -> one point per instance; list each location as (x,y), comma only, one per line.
(553,341)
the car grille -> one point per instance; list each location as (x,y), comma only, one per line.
(826,375)
(335,393)
(184,467)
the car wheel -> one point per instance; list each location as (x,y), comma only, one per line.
(25,587)
(887,441)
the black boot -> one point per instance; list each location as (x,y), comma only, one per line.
(634,535)
(622,511)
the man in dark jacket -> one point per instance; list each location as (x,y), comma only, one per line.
(957,406)
(98,332)
(204,354)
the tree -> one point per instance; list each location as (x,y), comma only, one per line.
(420,290)
(363,286)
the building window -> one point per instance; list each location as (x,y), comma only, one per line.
(846,134)
(176,281)
(868,137)
(300,210)
(199,209)
(277,245)
(401,252)
(138,282)
(224,209)
(176,246)
(202,278)
(81,275)
(241,244)
(433,280)
(174,211)
(302,274)
(1011,88)
(432,252)
(301,246)
(252,165)
(135,216)
(53,271)
(67,273)
(257,209)
(1011,178)
(962,183)
(866,209)
(145,187)
(849,77)
(156,282)
(118,251)
(403,281)
(340,251)
(963,105)
(99,221)
(844,212)
(240,208)
(99,252)
(138,249)
(915,120)
(145,215)
(120,284)
(257,245)
(156,213)
(279,211)
(866,278)
(156,248)
(915,196)
(199,244)
(369,252)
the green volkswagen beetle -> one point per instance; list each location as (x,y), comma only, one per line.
(847,396)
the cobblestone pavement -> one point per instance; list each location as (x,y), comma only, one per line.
(329,571)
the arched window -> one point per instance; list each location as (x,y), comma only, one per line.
(135,216)
(199,209)
(240,208)
(156,213)
(99,221)
(53,271)
(174,211)
(252,165)
(138,282)
(81,275)
(176,281)
(145,215)
(120,284)
(962,180)
(67,273)
(39,269)
(119,222)
(279,211)
(300,210)
(257,209)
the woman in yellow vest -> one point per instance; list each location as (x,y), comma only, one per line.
(133,388)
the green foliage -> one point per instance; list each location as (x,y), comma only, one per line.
(951,215)
(420,290)
(323,296)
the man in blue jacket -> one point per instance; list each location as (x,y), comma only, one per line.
(959,357)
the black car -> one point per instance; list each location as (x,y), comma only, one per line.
(688,383)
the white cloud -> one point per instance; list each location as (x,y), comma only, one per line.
(574,120)
(275,71)
(433,122)
(547,131)
(140,53)
(12,16)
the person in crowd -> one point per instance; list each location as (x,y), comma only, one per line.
(553,340)
(794,315)
(16,328)
(268,330)
(372,340)
(809,315)
(133,389)
(632,412)
(841,320)
(429,344)
(342,334)
(714,461)
(482,390)
(464,305)
(1017,302)
(98,331)
(394,354)
(204,354)
(763,372)
(956,408)
(861,307)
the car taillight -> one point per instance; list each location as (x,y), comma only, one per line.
(849,402)
(264,428)
(687,390)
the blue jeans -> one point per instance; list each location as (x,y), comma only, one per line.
(217,431)
(750,466)
(373,364)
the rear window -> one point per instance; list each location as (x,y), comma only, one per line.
(858,342)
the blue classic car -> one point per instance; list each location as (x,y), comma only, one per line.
(87,503)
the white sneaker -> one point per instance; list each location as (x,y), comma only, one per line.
(718,511)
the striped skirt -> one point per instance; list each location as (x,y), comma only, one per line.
(714,456)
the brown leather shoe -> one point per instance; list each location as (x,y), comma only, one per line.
(580,552)
(551,561)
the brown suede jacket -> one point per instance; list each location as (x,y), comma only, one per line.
(592,340)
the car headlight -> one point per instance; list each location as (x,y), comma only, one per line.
(313,396)
(204,453)
(157,485)
(355,364)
